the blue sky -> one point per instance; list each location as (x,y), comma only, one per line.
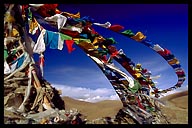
(165,24)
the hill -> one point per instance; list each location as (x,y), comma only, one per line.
(94,110)
(176,108)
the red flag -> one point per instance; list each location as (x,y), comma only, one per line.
(116,28)
(114,54)
(41,60)
(180,72)
(139,103)
(41,63)
(47,10)
(104,58)
(165,52)
(69,44)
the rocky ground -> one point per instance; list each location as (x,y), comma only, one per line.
(175,109)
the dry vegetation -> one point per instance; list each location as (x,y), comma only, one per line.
(176,109)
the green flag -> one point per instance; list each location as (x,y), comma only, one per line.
(136,87)
(128,33)
(112,40)
(5,54)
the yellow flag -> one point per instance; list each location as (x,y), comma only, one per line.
(173,61)
(72,15)
(33,26)
(138,75)
(139,36)
(14,32)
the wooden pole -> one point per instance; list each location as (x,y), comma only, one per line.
(46,102)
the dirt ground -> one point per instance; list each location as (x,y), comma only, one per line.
(176,109)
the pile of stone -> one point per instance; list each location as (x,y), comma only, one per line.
(14,95)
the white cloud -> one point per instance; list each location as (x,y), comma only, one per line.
(100,94)
(87,94)
(163,74)
(155,77)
